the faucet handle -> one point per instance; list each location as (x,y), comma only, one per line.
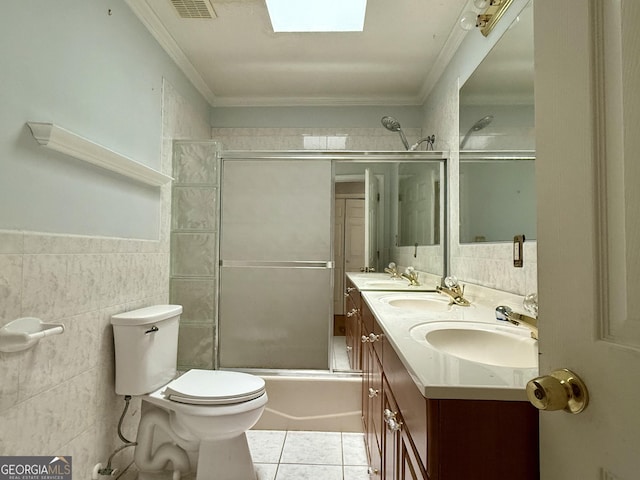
(530,304)
(503,313)
(450,281)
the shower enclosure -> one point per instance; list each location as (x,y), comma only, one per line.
(252,249)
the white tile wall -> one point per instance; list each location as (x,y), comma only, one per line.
(58,397)
(315,138)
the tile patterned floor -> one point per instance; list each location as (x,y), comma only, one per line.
(290,455)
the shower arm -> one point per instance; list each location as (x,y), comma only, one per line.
(465,138)
(404,140)
(429,139)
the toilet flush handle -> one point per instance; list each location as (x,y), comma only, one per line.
(152,330)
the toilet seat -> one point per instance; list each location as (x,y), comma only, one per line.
(214,387)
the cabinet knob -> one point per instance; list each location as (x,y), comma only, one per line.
(350,289)
(373,471)
(349,348)
(364,339)
(392,422)
(373,392)
(353,312)
(560,390)
(373,337)
(394,425)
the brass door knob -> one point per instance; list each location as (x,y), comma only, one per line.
(560,390)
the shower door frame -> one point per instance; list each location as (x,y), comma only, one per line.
(334,156)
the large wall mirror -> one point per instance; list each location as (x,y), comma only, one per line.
(382,207)
(497,141)
(402,205)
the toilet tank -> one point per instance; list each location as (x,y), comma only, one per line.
(146,348)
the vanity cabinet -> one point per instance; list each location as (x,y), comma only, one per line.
(409,436)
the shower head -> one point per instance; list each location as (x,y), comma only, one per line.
(482,123)
(479,125)
(393,125)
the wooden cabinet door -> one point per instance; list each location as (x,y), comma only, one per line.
(372,409)
(409,465)
(353,325)
(401,461)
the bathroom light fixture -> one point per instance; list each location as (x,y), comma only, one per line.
(317,15)
(487,19)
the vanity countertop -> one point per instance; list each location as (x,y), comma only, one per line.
(439,375)
(384,282)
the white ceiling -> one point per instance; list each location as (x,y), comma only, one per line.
(236,59)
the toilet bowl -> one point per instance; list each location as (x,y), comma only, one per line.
(214,409)
(203,414)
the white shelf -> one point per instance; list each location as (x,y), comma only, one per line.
(57,138)
(25,332)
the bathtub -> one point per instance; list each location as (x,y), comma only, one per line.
(317,403)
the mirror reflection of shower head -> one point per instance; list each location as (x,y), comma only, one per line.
(479,125)
(393,125)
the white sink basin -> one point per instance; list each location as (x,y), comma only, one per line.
(490,344)
(427,302)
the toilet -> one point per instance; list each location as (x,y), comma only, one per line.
(195,421)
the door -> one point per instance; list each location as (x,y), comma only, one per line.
(338,256)
(588,179)
(276,289)
(354,235)
(372,201)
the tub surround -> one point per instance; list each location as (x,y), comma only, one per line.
(312,402)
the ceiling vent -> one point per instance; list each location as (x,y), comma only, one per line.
(194,8)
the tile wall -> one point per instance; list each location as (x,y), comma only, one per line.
(194,250)
(311,138)
(58,398)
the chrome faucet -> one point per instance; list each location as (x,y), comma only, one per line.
(506,314)
(411,275)
(392,270)
(454,290)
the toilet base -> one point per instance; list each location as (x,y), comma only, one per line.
(227,459)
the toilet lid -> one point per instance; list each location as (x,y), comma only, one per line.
(214,387)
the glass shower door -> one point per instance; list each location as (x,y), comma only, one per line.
(276,293)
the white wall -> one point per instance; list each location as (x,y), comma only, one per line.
(318,117)
(91,68)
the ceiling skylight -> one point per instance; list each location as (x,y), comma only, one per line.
(317,15)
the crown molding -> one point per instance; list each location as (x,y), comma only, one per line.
(151,21)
